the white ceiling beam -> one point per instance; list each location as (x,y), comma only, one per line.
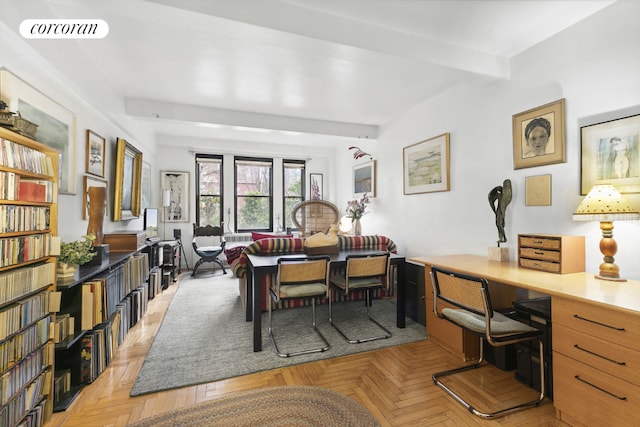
(218,116)
(317,25)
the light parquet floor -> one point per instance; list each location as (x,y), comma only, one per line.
(393,383)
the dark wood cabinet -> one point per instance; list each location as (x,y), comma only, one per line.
(415,302)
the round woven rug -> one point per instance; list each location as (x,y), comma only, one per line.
(273,406)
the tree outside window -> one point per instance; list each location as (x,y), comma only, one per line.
(253,194)
(293,188)
(209,190)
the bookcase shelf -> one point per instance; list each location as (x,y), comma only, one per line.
(104,301)
(27,279)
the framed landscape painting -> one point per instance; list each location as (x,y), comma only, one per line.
(56,124)
(364,179)
(426,166)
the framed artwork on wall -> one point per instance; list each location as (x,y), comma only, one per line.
(538,136)
(364,179)
(145,190)
(610,154)
(95,153)
(91,181)
(56,124)
(537,190)
(426,166)
(126,200)
(315,186)
(175,185)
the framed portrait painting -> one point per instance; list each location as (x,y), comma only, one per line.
(176,206)
(538,136)
(426,166)
(364,179)
(610,154)
(95,153)
(56,124)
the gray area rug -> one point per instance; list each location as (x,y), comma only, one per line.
(204,337)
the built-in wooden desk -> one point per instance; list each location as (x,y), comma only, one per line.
(596,337)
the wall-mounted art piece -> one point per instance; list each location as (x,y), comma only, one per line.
(145,187)
(92,181)
(425,166)
(126,200)
(610,154)
(364,179)
(537,190)
(538,136)
(56,125)
(315,186)
(175,190)
(96,146)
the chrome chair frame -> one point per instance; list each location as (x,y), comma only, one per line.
(208,253)
(476,308)
(357,282)
(309,277)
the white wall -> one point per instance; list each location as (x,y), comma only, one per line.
(594,65)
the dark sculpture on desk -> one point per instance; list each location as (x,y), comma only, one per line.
(499,199)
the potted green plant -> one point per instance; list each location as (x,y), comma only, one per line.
(74,254)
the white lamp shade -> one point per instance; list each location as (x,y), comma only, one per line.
(166,198)
(604,203)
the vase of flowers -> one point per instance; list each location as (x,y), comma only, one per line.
(74,254)
(356,209)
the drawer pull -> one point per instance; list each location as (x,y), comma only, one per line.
(538,242)
(538,252)
(600,356)
(599,388)
(598,323)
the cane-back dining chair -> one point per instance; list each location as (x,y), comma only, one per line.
(208,243)
(297,278)
(314,216)
(363,272)
(469,307)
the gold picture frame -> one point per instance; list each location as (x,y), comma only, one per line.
(611,154)
(425,166)
(538,136)
(126,200)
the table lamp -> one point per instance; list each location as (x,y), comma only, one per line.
(605,204)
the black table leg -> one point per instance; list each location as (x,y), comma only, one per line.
(402,295)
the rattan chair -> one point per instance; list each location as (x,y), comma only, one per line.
(214,246)
(364,272)
(314,216)
(472,310)
(300,277)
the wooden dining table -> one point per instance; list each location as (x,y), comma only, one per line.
(259,265)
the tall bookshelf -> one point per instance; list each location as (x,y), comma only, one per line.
(28,222)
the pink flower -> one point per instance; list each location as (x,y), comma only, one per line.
(357,208)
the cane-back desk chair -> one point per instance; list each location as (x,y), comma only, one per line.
(472,310)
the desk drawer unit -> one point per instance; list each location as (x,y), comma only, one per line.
(596,364)
(551,253)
